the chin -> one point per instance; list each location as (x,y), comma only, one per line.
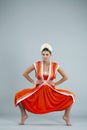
(45,60)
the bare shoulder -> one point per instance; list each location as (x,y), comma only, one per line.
(53,62)
(60,69)
(32,67)
(29,69)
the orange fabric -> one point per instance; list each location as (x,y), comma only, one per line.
(44,98)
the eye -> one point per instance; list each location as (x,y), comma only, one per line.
(47,54)
(43,54)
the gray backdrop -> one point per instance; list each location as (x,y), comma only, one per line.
(24,26)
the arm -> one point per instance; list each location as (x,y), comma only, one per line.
(26,73)
(64,76)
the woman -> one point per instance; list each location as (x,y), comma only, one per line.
(44,97)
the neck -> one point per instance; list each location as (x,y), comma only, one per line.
(46,62)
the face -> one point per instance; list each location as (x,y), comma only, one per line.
(46,56)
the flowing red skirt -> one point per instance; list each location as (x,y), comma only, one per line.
(44,99)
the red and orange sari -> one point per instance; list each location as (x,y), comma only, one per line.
(44,98)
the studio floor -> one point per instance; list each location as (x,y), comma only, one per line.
(47,122)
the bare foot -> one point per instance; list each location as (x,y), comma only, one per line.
(67,120)
(24,117)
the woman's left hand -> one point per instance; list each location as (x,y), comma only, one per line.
(50,82)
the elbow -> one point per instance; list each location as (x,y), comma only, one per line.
(24,74)
(66,78)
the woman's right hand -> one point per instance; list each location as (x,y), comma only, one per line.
(39,82)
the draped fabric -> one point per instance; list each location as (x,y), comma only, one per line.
(44,98)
